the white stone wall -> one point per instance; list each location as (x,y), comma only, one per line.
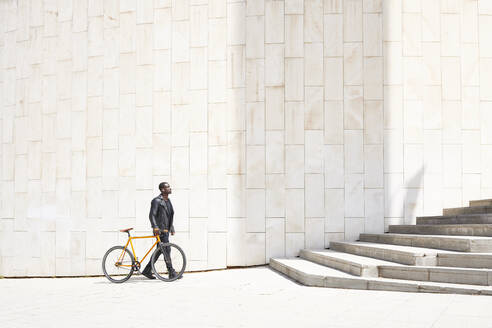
(279,124)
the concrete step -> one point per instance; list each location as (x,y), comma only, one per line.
(415,255)
(313,274)
(484,230)
(454,243)
(467,210)
(465,276)
(456,219)
(393,253)
(354,264)
(481,202)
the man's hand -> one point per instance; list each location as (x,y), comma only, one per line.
(156,231)
(172,233)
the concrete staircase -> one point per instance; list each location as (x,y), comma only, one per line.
(451,253)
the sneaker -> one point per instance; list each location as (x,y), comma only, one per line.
(148,275)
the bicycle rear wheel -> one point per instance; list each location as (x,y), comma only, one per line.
(117,264)
(168,262)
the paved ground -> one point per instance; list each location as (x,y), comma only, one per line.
(254,297)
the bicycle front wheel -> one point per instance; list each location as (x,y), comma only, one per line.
(168,262)
(117,264)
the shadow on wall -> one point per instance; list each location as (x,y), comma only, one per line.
(414,197)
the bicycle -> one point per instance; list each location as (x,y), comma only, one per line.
(119,263)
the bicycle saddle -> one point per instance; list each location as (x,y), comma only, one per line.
(126,230)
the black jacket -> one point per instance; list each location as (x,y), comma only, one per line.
(161,214)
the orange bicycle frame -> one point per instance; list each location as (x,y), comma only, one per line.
(158,239)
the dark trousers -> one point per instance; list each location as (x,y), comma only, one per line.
(167,257)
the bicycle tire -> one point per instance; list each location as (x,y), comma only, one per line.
(113,277)
(156,258)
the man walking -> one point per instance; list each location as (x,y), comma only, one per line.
(161,218)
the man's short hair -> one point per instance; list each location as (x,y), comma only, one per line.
(162,185)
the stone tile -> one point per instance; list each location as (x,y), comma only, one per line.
(128,32)
(393,107)
(294,35)
(217,168)
(180,42)
(274,108)
(274,64)
(352,21)
(471,107)
(469,65)
(256,248)
(8,162)
(275,195)
(181,204)
(198,26)
(95,36)
(255,7)
(78,171)
(333,236)
(394,195)
(334,78)
(236,109)
(471,152)
(315,237)
(255,27)
(485,80)
(217,202)
(413,121)
(217,39)
(236,196)
(353,228)
(314,151)
(334,210)
(451,122)
(393,71)
(255,123)
(413,78)
(373,34)
(412,34)
(145,12)
(198,108)
(217,128)
(236,23)
(216,251)
(470,30)
(354,196)
(126,197)
(485,158)
(63,162)
(333,35)
(275,238)
(275,152)
(110,169)
(236,153)
(314,196)
(431,63)
(313,21)
(294,84)
(274,21)
(373,122)
(354,151)
(255,210)
(353,107)
(180,171)
(111,88)
(161,154)
(431,20)
(452,166)
(432,107)
(334,166)
(414,166)
(236,72)
(94,156)
(110,128)
(451,78)
(34,160)
(127,74)
(255,80)
(294,210)
(217,82)
(162,71)
(352,63)
(198,154)
(433,194)
(144,127)
(471,188)
(373,78)
(451,35)
(217,8)
(294,123)
(199,194)
(236,242)
(162,28)
(294,242)
(294,166)
(373,163)
(333,6)
(333,122)
(313,64)
(144,87)
(433,151)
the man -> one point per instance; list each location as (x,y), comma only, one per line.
(161,218)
